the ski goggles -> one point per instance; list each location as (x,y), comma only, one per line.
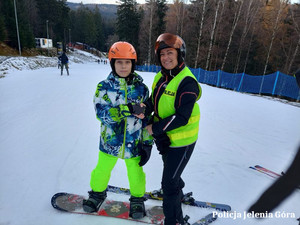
(168,40)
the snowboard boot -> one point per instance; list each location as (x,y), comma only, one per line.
(137,207)
(94,201)
(184,221)
(157,194)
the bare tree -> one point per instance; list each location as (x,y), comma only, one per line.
(31,8)
(236,35)
(182,17)
(250,16)
(282,4)
(212,36)
(179,12)
(151,6)
(297,29)
(216,44)
(172,18)
(294,56)
(200,33)
(248,51)
(148,31)
(275,29)
(235,22)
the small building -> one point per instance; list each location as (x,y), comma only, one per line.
(43,43)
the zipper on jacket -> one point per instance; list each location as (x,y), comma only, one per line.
(157,93)
(125,127)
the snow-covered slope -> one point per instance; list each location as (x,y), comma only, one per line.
(9,64)
(49,143)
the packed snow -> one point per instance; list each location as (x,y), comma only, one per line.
(50,135)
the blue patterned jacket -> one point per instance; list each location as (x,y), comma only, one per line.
(122,134)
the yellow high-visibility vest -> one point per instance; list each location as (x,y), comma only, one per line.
(187,134)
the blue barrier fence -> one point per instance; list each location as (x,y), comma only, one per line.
(275,84)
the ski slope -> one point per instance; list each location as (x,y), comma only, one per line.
(50,135)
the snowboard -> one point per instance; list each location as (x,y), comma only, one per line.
(72,203)
(206,220)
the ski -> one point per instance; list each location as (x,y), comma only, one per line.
(187,198)
(268,172)
(261,171)
(206,220)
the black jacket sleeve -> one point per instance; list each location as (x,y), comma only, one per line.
(149,106)
(280,190)
(186,97)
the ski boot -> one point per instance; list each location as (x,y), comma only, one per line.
(137,207)
(94,201)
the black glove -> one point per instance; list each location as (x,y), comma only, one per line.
(145,154)
(136,108)
(162,143)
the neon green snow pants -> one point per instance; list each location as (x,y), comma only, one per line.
(101,174)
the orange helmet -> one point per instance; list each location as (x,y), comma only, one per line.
(122,50)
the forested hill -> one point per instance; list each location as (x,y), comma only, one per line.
(108,11)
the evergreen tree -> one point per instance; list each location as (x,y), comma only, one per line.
(56,12)
(8,28)
(7,12)
(84,28)
(161,14)
(91,30)
(99,29)
(2,24)
(128,20)
(25,31)
(80,32)
(152,25)
(2,28)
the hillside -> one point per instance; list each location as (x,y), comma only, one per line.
(107,11)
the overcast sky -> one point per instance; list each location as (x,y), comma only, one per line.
(115,1)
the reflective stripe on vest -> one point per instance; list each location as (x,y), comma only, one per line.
(187,134)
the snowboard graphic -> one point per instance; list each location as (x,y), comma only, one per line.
(73,203)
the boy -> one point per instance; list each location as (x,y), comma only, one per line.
(122,133)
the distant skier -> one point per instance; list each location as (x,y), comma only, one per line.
(122,133)
(64,62)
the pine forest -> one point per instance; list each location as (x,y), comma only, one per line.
(256,37)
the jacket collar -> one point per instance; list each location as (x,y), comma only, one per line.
(131,79)
(173,72)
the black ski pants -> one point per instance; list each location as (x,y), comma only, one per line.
(174,161)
